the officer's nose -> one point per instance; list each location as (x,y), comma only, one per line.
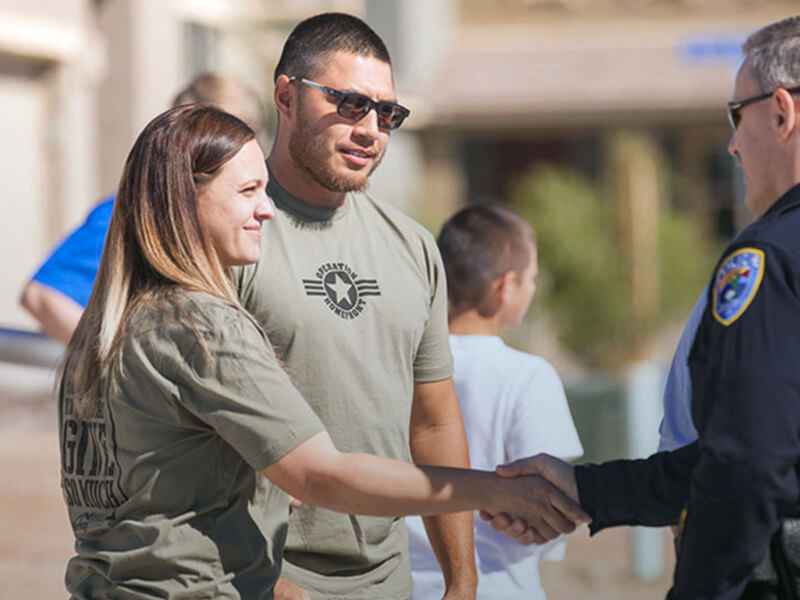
(732,149)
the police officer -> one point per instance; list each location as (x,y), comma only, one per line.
(735,485)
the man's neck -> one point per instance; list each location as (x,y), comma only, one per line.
(470,322)
(300,185)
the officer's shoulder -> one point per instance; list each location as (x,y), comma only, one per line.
(774,237)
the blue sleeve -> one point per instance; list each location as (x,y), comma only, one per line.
(677,427)
(72,266)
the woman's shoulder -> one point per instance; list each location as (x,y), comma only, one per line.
(181,316)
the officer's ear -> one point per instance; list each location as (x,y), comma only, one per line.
(785,113)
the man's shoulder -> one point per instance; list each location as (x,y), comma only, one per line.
(391,215)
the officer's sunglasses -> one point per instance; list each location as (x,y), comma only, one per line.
(354,106)
(734,107)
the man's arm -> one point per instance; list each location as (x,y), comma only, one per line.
(57,314)
(436,437)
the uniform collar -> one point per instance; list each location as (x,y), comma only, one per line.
(790,199)
(299,209)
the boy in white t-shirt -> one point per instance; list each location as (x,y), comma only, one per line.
(513,403)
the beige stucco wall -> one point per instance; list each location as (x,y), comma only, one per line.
(48,70)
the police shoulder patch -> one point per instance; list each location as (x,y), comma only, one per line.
(736,283)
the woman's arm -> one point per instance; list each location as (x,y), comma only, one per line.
(317,473)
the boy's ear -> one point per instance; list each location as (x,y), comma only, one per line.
(496,296)
(504,284)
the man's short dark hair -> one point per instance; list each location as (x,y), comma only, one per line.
(480,244)
(313,40)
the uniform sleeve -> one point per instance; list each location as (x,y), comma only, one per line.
(539,419)
(239,389)
(433,360)
(72,267)
(650,491)
(746,381)
(677,428)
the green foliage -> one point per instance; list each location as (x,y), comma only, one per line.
(588,297)
(686,261)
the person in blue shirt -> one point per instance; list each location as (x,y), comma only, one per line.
(59,290)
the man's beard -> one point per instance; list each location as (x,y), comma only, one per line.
(308,151)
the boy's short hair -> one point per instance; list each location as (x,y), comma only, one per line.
(313,40)
(479,244)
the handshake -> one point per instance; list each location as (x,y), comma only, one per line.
(541,501)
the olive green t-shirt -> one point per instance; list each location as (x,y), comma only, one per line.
(163,485)
(355,302)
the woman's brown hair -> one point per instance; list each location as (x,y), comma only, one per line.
(154,241)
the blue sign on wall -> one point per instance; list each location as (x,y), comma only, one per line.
(712,49)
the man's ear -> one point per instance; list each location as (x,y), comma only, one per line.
(785,113)
(285,97)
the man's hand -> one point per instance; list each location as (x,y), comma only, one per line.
(556,510)
(284,590)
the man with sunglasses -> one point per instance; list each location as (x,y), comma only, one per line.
(736,489)
(352,294)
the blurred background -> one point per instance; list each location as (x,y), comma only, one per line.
(601,121)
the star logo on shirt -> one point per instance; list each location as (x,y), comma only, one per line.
(339,288)
(342,289)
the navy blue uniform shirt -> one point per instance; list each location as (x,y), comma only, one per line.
(741,477)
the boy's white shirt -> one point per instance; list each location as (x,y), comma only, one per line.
(513,406)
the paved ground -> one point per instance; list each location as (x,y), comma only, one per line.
(36,540)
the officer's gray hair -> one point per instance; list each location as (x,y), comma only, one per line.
(773,53)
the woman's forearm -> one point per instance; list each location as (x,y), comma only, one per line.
(316,473)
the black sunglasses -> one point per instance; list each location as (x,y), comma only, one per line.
(734,107)
(354,106)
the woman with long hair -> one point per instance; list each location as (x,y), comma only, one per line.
(173,405)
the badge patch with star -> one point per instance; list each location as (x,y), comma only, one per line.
(736,283)
(342,289)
